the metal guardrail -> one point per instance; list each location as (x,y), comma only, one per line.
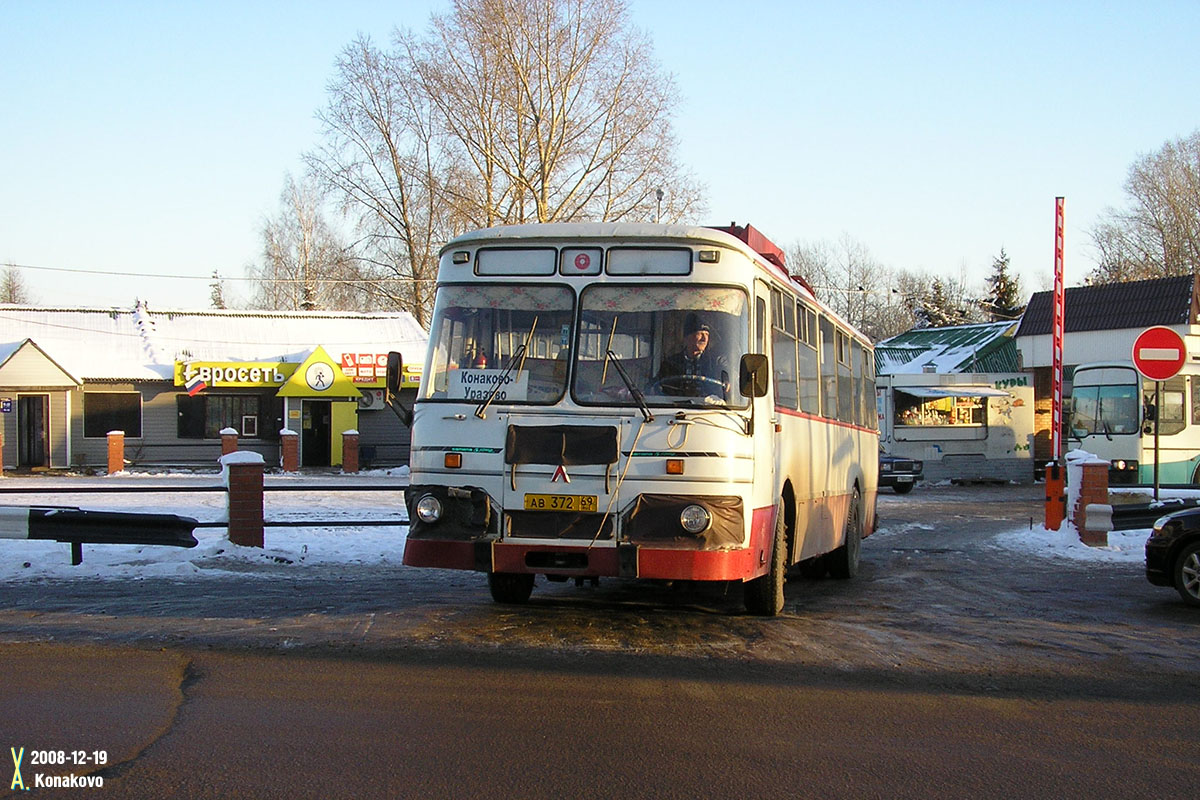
(1134,516)
(77,526)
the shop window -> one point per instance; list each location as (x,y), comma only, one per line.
(914,410)
(205,416)
(112,411)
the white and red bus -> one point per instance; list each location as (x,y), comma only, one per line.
(560,431)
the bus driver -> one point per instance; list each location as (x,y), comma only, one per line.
(694,370)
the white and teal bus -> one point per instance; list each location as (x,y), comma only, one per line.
(1113,415)
(570,425)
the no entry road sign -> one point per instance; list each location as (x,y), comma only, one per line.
(1159,353)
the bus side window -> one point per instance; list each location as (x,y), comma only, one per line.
(829,380)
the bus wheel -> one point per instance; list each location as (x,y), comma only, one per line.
(1196,476)
(509,587)
(764,595)
(843,562)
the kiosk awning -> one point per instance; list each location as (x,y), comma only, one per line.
(952,391)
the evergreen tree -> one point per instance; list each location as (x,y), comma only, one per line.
(935,309)
(217,294)
(1003,301)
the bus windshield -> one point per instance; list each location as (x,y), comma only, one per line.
(679,345)
(512,334)
(1105,410)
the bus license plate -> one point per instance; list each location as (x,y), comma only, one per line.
(561,502)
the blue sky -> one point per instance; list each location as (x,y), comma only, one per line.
(154,137)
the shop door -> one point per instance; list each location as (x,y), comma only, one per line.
(33,419)
(318,426)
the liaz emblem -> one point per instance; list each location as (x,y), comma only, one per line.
(561,471)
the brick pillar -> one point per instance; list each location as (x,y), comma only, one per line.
(243,473)
(229,437)
(289,450)
(116,452)
(349,451)
(1093,488)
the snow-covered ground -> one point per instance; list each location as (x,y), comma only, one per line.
(302,547)
(309,547)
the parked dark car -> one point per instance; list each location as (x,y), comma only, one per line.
(1173,554)
(899,473)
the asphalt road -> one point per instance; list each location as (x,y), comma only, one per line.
(951,667)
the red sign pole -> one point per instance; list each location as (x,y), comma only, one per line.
(1059,315)
(1056,501)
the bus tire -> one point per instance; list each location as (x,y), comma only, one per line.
(510,588)
(764,594)
(843,562)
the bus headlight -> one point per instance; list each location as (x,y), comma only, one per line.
(695,519)
(1119,463)
(429,509)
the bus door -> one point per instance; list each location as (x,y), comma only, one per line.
(767,425)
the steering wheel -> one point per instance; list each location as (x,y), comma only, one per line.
(688,386)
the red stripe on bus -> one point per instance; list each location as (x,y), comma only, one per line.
(791,412)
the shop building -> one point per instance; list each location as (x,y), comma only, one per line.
(1101,324)
(173,380)
(954,398)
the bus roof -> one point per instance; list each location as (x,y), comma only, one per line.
(643,231)
(598,230)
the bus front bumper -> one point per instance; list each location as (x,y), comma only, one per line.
(622,561)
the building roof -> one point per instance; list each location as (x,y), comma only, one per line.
(1113,306)
(140,344)
(987,347)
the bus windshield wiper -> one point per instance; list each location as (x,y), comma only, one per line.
(518,354)
(638,397)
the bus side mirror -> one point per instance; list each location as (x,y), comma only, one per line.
(753,375)
(391,391)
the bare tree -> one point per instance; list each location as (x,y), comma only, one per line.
(1158,234)
(305,265)
(382,157)
(503,111)
(848,279)
(12,287)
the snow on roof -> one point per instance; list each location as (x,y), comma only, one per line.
(945,350)
(144,344)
